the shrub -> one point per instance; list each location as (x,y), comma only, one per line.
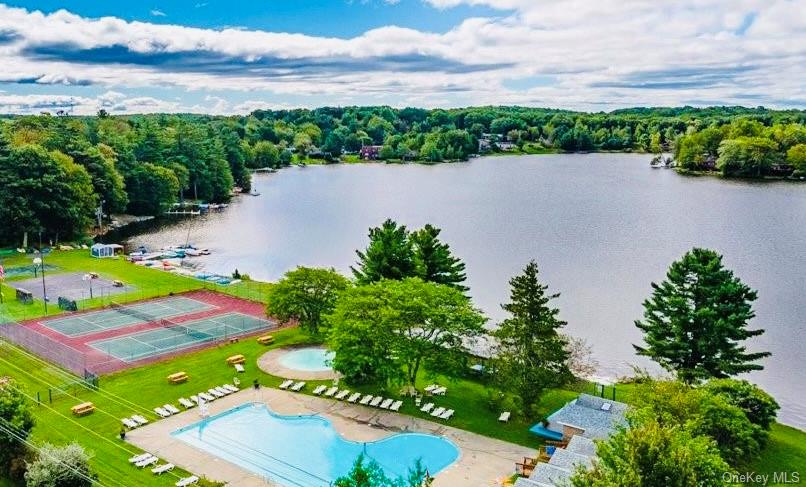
(67,466)
(759,406)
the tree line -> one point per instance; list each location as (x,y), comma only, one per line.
(56,171)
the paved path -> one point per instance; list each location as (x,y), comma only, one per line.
(483,461)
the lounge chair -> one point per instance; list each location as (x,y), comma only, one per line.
(160,469)
(298,386)
(206,397)
(447,414)
(330,392)
(342,394)
(439,391)
(504,416)
(386,403)
(187,481)
(131,424)
(230,388)
(427,408)
(223,391)
(147,462)
(185,403)
(354,397)
(139,457)
(431,387)
(239,368)
(195,399)
(140,420)
(376,401)
(161,412)
(286,384)
(396,406)
(436,412)
(171,409)
(319,390)
(215,392)
(366,399)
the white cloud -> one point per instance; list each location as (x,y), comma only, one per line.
(157,13)
(596,55)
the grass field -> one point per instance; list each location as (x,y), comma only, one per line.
(139,390)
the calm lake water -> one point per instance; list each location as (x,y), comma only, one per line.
(601,227)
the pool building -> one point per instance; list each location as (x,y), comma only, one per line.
(570,431)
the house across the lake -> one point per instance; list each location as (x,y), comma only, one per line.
(370,152)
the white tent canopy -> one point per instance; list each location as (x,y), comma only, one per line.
(100,250)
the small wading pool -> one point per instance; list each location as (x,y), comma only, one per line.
(307,450)
(308,360)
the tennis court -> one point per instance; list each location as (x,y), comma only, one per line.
(173,336)
(122,317)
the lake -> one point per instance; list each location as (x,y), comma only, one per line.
(600,226)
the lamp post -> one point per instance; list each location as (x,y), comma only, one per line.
(88,277)
(39,262)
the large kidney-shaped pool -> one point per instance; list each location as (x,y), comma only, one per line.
(306,450)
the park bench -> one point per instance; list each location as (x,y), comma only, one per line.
(177,378)
(235,359)
(83,408)
(265,339)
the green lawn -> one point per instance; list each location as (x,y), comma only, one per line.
(141,389)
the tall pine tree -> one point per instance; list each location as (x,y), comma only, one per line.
(390,255)
(434,260)
(531,355)
(696,320)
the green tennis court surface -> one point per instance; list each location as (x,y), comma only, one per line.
(110,319)
(159,341)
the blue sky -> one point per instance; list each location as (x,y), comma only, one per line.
(216,56)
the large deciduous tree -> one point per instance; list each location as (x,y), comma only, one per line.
(531,354)
(152,189)
(305,295)
(383,329)
(695,321)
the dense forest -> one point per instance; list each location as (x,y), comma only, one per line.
(57,170)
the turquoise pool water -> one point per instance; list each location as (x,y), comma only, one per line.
(307,359)
(306,450)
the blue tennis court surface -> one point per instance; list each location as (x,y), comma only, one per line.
(110,319)
(159,341)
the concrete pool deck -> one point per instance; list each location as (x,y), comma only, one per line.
(482,462)
(270,363)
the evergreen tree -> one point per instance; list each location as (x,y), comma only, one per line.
(434,260)
(695,321)
(390,255)
(531,355)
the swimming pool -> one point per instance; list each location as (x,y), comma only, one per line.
(307,359)
(306,450)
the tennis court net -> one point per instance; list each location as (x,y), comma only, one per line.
(198,335)
(125,310)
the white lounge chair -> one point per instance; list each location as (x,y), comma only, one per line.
(140,420)
(187,481)
(286,384)
(230,388)
(386,403)
(147,462)
(366,399)
(447,414)
(427,408)
(330,392)
(436,412)
(171,409)
(160,469)
(195,399)
(185,403)
(504,416)
(396,406)
(431,387)
(354,397)
(206,397)
(319,390)
(376,401)
(342,394)
(161,412)
(214,392)
(239,368)
(131,424)
(439,391)
(223,391)
(139,457)
(298,386)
